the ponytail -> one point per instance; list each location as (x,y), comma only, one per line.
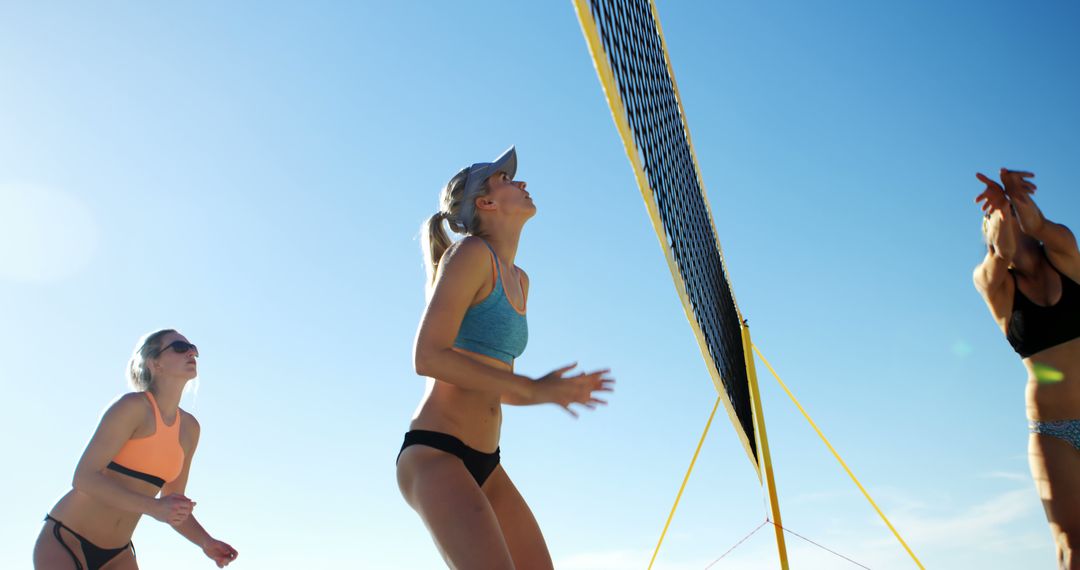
(434,243)
(434,240)
(138,368)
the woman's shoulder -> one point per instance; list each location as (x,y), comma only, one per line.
(189,429)
(524,278)
(130,407)
(133,400)
(468,245)
(189,419)
(471,252)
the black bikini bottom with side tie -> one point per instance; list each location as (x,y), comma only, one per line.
(479,464)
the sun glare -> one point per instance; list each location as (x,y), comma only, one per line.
(45,234)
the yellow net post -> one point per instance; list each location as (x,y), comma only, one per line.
(764,457)
(835,454)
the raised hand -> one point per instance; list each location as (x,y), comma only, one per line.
(173,509)
(1019,190)
(993,198)
(1017,185)
(557,388)
(221,553)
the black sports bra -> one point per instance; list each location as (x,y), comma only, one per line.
(1033,328)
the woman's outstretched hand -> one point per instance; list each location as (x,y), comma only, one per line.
(221,553)
(557,388)
(993,198)
(1019,190)
(1017,185)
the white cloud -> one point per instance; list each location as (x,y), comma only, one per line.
(985,525)
(604,560)
(1008,475)
(1003,531)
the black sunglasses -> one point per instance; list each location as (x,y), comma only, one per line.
(179,347)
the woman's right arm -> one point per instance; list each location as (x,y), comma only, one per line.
(117,426)
(992,275)
(461,275)
(1058,241)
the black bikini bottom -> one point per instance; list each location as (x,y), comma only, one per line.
(479,464)
(95,556)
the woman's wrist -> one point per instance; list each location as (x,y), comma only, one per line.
(525,388)
(149,506)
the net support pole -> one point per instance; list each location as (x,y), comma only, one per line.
(764,458)
(839,459)
(682,487)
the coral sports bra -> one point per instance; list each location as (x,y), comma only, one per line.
(156,459)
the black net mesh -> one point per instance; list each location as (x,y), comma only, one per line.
(636,53)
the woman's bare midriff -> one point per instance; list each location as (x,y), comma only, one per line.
(105,526)
(1053,388)
(472,416)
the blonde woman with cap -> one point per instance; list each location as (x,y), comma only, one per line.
(472,330)
(136,463)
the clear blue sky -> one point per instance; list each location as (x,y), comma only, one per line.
(255,175)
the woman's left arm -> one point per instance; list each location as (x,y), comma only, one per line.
(221,553)
(1059,241)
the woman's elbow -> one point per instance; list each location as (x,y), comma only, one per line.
(429,359)
(80,480)
(422,361)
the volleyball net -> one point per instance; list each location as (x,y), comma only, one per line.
(632,62)
(631,58)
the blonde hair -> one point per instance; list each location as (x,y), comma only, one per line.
(148,346)
(454,211)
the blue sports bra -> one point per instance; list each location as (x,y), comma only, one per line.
(494,327)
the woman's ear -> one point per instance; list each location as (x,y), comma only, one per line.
(485,203)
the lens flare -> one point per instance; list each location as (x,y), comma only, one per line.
(1045,373)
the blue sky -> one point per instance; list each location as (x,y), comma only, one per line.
(255,175)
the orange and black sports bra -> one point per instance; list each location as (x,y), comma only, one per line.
(1033,328)
(156,459)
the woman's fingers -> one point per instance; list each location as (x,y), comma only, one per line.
(580,388)
(1020,173)
(1016,180)
(597,375)
(993,198)
(558,372)
(990,182)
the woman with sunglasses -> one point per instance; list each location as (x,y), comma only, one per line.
(1030,280)
(136,463)
(474,327)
